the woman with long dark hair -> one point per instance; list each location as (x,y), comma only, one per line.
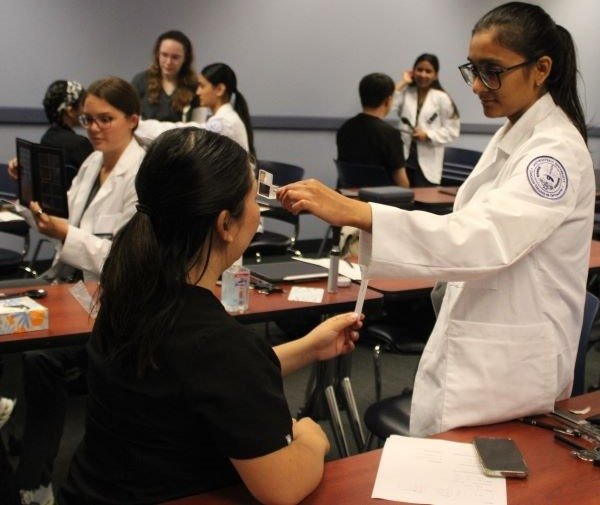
(428,120)
(182,397)
(515,250)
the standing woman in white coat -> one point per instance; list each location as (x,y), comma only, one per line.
(428,120)
(218,91)
(514,251)
(102,198)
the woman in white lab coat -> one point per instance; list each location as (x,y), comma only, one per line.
(102,196)
(514,251)
(218,91)
(428,120)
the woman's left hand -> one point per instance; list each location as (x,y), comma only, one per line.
(419,134)
(51,226)
(335,336)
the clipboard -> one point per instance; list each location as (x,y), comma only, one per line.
(42,177)
(287,271)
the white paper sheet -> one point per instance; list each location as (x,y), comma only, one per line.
(301,294)
(6,216)
(347,269)
(437,472)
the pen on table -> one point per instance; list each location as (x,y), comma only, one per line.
(556,429)
(570,443)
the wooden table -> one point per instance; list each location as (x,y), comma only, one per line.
(556,477)
(433,196)
(70,324)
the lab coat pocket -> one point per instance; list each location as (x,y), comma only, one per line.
(105,224)
(497,372)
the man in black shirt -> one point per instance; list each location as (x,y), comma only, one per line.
(367,138)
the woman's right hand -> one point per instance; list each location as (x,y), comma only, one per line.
(312,196)
(407,78)
(13,169)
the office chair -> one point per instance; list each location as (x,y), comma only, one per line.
(391,416)
(458,164)
(273,241)
(12,262)
(589,316)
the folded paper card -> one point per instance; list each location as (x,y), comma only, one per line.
(21,314)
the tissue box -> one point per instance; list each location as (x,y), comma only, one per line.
(18,315)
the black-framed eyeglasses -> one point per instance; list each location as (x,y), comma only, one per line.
(102,122)
(489,77)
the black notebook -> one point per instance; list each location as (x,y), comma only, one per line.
(42,177)
(287,271)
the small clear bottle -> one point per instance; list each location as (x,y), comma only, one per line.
(334,266)
(235,283)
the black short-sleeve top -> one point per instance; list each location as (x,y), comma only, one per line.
(370,140)
(217,393)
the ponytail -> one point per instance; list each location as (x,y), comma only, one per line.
(241,107)
(220,73)
(562,81)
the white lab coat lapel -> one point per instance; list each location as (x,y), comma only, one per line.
(78,194)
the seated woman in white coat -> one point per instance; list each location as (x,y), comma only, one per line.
(218,91)
(101,199)
(514,251)
(428,120)
(102,196)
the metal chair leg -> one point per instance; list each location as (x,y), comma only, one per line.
(336,422)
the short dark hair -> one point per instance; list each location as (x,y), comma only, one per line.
(374,89)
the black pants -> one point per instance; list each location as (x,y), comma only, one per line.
(48,378)
(415,174)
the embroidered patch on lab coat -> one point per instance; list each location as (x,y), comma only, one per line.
(547,177)
(215,125)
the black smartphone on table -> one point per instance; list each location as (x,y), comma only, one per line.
(500,457)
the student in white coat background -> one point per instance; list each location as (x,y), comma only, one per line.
(514,251)
(429,120)
(218,92)
(102,198)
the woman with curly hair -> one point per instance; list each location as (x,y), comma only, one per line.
(167,89)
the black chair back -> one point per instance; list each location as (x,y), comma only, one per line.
(357,175)
(8,187)
(458,164)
